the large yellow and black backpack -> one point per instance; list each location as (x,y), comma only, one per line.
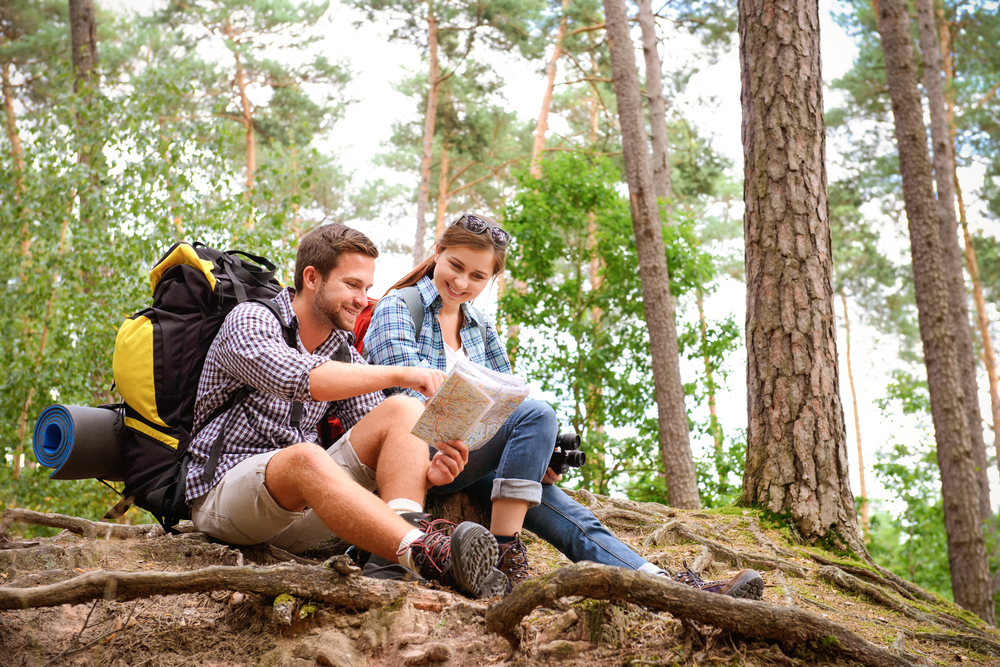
(159,354)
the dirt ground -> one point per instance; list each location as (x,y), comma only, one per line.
(425,626)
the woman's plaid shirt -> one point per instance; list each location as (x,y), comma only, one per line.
(250,350)
(391,340)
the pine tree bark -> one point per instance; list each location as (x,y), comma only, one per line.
(982,319)
(657,107)
(944,177)
(83,40)
(83,37)
(675,445)
(959,482)
(796,439)
(857,419)
(430,119)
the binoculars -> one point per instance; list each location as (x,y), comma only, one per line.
(567,454)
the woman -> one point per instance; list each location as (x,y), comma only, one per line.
(512,468)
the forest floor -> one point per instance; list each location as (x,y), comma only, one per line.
(82,599)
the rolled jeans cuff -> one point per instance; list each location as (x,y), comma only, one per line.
(517,489)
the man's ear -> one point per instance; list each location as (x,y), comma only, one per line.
(311,278)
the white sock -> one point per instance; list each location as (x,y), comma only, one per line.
(401,505)
(405,557)
(652,569)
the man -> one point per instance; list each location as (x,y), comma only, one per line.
(273,483)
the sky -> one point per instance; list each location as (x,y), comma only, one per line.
(379,64)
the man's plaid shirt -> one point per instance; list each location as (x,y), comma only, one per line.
(391,340)
(250,350)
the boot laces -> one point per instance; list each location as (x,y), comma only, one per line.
(431,548)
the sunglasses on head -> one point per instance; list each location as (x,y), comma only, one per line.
(477,225)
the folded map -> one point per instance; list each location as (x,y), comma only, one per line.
(471,405)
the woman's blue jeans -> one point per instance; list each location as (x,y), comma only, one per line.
(517,455)
(512,464)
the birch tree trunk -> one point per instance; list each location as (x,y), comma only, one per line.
(657,108)
(430,117)
(674,442)
(959,482)
(796,440)
(944,177)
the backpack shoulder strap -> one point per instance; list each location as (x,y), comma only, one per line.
(411,297)
(286,329)
(235,399)
(481,321)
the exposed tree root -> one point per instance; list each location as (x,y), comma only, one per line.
(974,642)
(851,583)
(787,625)
(323,584)
(82,527)
(739,558)
(890,579)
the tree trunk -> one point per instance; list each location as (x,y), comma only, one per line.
(944,177)
(674,441)
(714,427)
(657,107)
(83,39)
(10,121)
(442,198)
(982,319)
(83,36)
(22,422)
(543,116)
(246,113)
(423,192)
(959,482)
(796,441)
(857,419)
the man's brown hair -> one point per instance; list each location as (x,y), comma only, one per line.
(322,247)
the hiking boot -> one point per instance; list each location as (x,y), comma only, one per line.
(463,560)
(513,563)
(376,567)
(747,584)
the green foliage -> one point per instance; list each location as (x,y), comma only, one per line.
(583,335)
(910,391)
(82,235)
(912,542)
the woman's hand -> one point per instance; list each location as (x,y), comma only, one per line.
(551,477)
(447,463)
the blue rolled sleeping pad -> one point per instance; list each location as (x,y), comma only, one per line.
(81,442)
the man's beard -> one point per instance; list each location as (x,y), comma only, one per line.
(333,312)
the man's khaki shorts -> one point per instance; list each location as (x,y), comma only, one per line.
(240,510)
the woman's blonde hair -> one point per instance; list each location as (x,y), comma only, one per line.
(457,236)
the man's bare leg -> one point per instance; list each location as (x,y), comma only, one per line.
(304,475)
(383,442)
